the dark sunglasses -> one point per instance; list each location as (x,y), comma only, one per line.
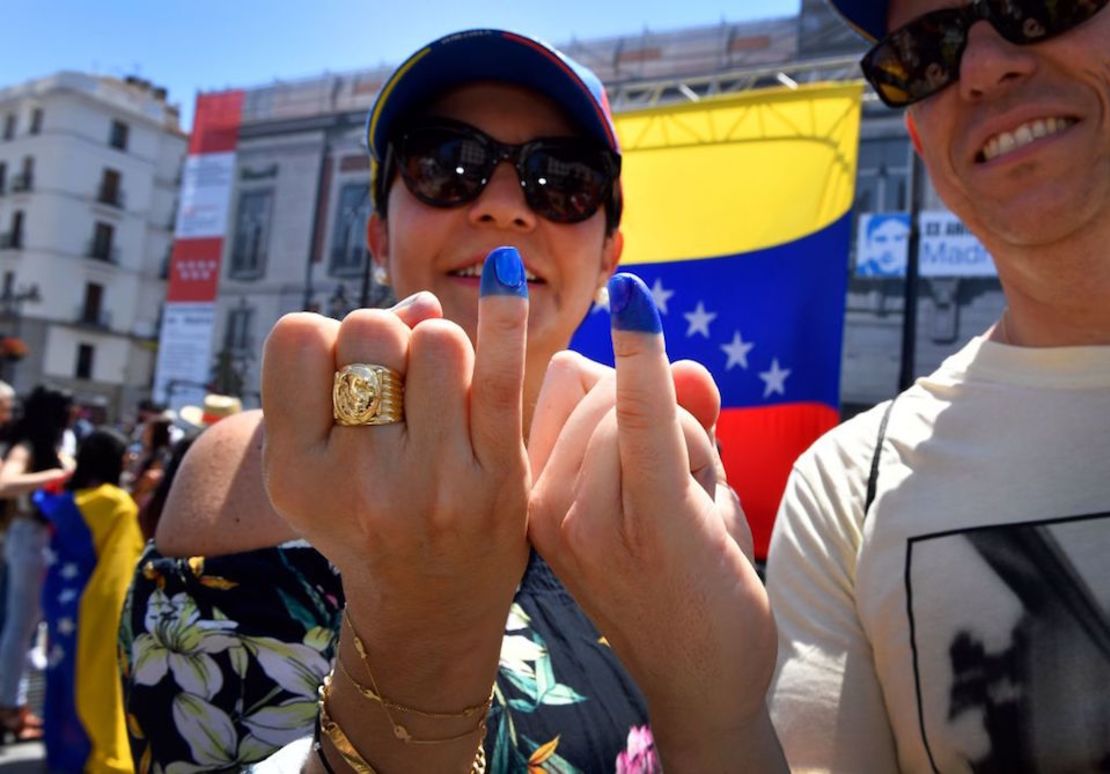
(923,57)
(448,163)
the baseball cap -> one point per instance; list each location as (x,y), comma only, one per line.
(489,55)
(867,17)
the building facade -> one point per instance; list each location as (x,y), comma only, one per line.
(89,178)
(297,223)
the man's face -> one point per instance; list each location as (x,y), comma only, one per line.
(975,132)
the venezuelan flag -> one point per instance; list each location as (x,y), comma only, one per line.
(95,544)
(737,217)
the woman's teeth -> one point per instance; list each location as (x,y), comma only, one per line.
(475,270)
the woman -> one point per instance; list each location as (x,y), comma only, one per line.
(95,543)
(151,459)
(429,511)
(34,460)
(562,696)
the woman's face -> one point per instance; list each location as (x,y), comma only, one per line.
(430,248)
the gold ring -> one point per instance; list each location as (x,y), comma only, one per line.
(367,394)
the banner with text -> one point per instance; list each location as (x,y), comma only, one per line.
(185,342)
(947,248)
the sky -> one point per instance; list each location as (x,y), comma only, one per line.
(206,45)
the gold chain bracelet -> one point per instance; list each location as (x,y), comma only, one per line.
(353,758)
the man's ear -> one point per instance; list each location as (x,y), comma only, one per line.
(377,239)
(915,138)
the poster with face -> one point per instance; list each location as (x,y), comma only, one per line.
(881,244)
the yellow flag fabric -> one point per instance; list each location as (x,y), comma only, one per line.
(737,173)
(112,519)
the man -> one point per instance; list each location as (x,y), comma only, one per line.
(938,568)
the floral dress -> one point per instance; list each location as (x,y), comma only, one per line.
(223,657)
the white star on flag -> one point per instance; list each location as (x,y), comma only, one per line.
(699,320)
(69,570)
(737,351)
(775,379)
(661,295)
(67,596)
(66,626)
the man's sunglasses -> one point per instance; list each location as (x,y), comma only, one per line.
(448,163)
(923,57)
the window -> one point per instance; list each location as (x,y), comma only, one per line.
(252,231)
(91,311)
(24,180)
(348,241)
(36,121)
(14,237)
(9,126)
(110,192)
(118,137)
(85,355)
(237,334)
(101,247)
(883,177)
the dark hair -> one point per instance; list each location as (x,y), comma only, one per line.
(151,513)
(99,459)
(41,424)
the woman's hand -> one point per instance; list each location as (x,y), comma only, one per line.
(631,510)
(425,518)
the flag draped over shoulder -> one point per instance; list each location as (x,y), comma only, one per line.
(737,217)
(95,543)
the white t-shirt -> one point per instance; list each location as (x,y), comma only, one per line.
(965,623)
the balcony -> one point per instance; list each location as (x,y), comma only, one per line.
(88,317)
(23,182)
(102,252)
(11,240)
(113,197)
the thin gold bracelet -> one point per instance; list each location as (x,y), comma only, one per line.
(353,758)
(373,694)
(399,730)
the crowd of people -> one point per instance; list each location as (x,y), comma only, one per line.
(78,502)
(447,544)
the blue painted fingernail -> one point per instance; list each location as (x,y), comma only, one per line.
(632,305)
(503,274)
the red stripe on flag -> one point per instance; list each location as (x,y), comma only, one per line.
(759,446)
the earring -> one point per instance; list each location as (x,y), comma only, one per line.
(601,297)
(380,275)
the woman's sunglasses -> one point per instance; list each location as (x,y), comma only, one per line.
(921,58)
(448,163)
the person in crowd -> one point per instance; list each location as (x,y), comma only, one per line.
(95,542)
(150,513)
(151,458)
(427,509)
(33,461)
(7,409)
(937,569)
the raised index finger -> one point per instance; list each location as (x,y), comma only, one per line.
(496,426)
(652,449)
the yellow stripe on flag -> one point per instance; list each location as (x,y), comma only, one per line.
(737,173)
